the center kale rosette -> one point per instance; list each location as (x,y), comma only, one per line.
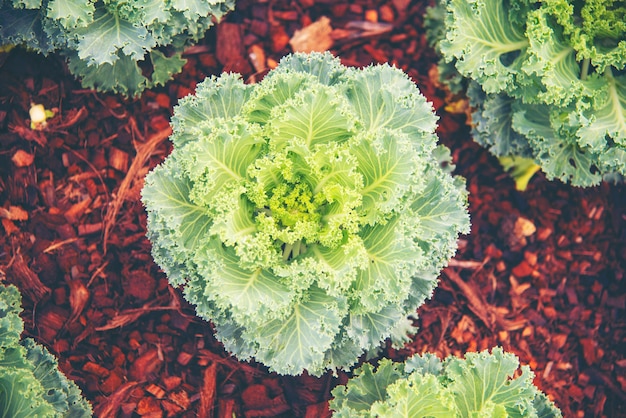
(308,215)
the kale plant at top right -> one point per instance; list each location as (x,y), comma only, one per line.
(547,81)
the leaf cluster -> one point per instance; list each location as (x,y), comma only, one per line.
(31,384)
(480,385)
(112,45)
(307,215)
(547,80)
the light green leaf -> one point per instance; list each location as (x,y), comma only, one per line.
(607,117)
(389,165)
(71,13)
(268,173)
(234,223)
(337,268)
(11,325)
(343,352)
(614,165)
(174,216)
(483,381)
(414,397)
(220,157)
(105,37)
(331,171)
(427,363)
(440,219)
(218,97)
(311,118)
(192,9)
(244,292)
(300,341)
(20,394)
(154,12)
(481,37)
(164,67)
(385,98)
(324,68)
(31,384)
(596,28)
(24,27)
(393,256)
(276,88)
(559,156)
(492,123)
(189,220)
(365,387)
(123,76)
(370,328)
(554,61)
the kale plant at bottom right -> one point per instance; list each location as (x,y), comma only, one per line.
(480,385)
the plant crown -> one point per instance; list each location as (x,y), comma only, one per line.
(31,384)
(548,80)
(105,41)
(480,385)
(308,214)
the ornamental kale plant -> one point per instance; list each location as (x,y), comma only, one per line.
(481,385)
(105,41)
(307,215)
(31,384)
(548,80)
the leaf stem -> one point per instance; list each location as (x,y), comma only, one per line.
(296,249)
(291,251)
(585,69)
(287,251)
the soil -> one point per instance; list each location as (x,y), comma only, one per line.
(541,274)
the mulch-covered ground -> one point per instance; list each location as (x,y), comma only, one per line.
(541,274)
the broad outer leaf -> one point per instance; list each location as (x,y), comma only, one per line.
(105,37)
(31,384)
(480,36)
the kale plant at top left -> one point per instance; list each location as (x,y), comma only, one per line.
(104,41)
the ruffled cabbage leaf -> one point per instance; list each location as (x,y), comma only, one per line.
(548,82)
(31,384)
(308,216)
(116,46)
(480,385)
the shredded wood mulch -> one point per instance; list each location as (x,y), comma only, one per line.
(541,274)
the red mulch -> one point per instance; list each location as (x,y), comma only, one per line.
(541,274)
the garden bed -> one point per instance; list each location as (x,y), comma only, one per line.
(541,274)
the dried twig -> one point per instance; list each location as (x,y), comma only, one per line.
(476,303)
(207,395)
(143,153)
(110,406)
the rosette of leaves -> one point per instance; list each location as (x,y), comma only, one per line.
(31,384)
(480,385)
(547,81)
(307,215)
(121,46)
